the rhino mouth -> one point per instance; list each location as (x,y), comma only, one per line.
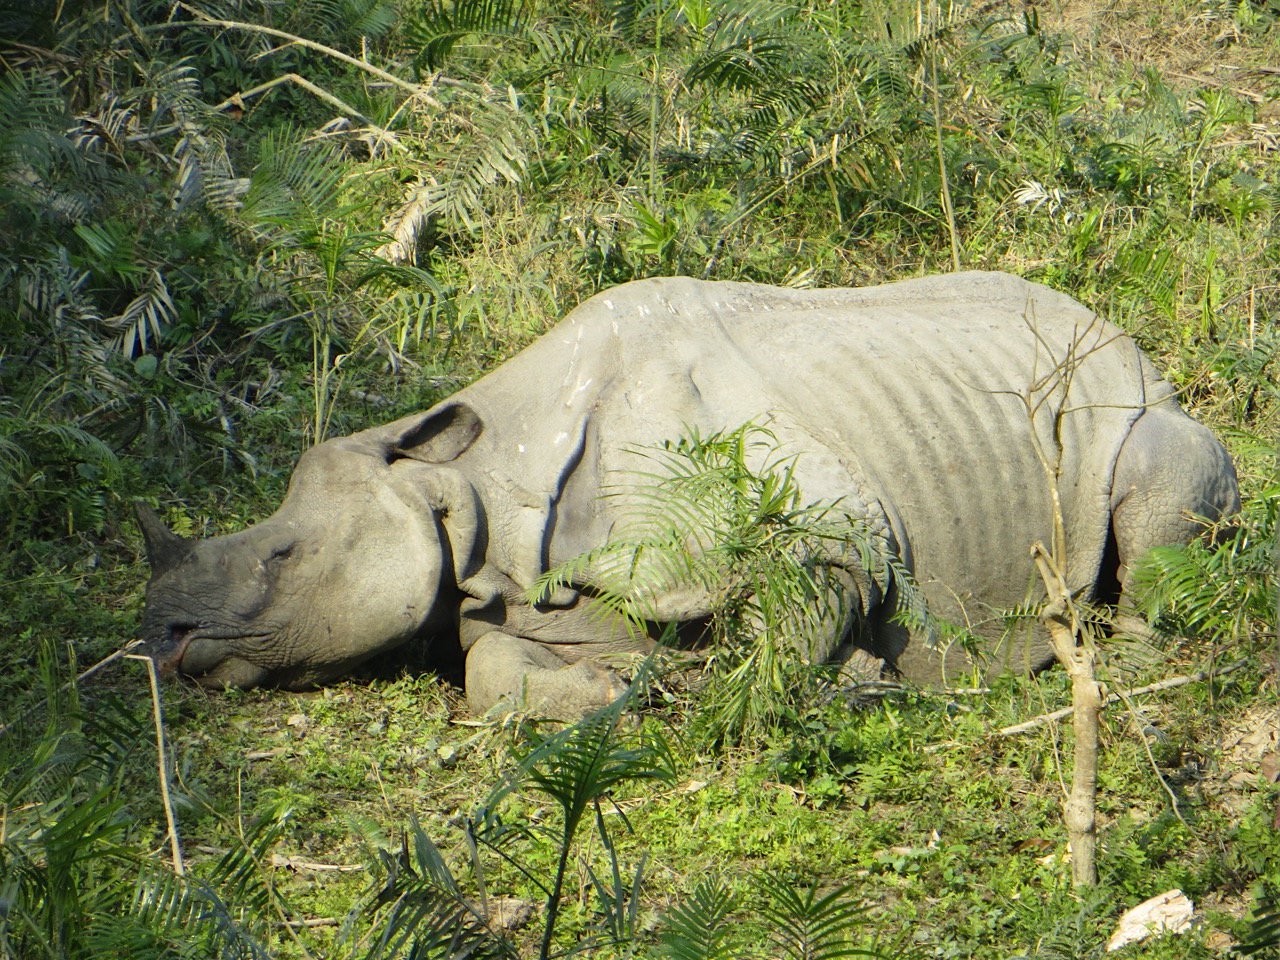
(207,656)
(167,653)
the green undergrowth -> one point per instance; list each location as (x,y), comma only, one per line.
(948,833)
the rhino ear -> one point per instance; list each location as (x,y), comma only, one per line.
(440,435)
(165,549)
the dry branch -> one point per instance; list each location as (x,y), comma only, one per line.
(203,20)
(237,100)
(162,754)
(1181,681)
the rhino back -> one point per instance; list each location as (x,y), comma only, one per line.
(923,391)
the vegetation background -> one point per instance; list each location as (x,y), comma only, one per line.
(234,227)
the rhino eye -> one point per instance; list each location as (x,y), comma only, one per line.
(282,552)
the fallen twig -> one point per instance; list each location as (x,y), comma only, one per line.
(312,923)
(315,90)
(1168,684)
(162,755)
(292,863)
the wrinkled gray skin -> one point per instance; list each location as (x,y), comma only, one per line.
(920,406)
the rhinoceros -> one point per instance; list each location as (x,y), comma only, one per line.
(947,414)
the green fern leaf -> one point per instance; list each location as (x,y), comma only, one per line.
(807,924)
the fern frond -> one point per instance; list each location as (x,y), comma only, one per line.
(107,128)
(807,924)
(590,759)
(368,18)
(172,89)
(189,176)
(76,881)
(239,873)
(561,48)
(203,173)
(745,64)
(700,927)
(440,26)
(1222,589)
(145,318)
(722,520)
(292,186)
(167,909)
(494,152)
(32,120)
(619,895)
(1264,928)
(114,247)
(423,911)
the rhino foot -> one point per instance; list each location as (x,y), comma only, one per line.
(506,673)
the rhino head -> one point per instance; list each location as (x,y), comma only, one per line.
(362,555)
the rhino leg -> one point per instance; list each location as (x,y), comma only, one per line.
(1169,472)
(510,673)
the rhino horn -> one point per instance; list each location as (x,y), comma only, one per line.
(165,549)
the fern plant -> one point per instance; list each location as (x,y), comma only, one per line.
(1263,936)
(798,922)
(810,923)
(487,26)
(422,906)
(723,518)
(76,877)
(702,926)
(578,769)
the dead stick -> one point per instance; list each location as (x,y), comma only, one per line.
(201,19)
(291,863)
(109,658)
(1168,684)
(316,91)
(162,754)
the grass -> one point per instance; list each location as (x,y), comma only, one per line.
(951,835)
